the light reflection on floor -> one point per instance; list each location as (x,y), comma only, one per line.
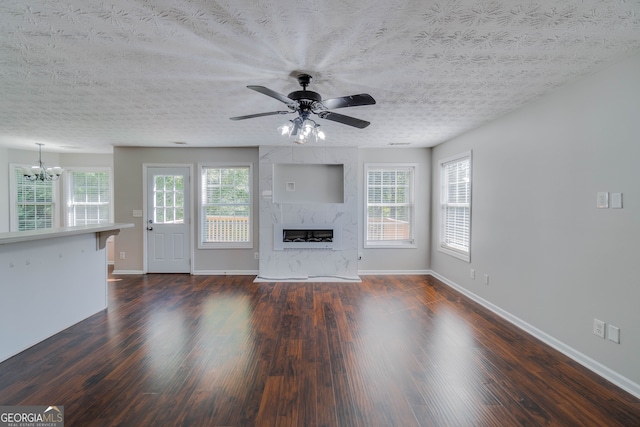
(392,344)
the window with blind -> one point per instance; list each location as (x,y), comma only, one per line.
(389,216)
(34,202)
(88,195)
(225,206)
(455,227)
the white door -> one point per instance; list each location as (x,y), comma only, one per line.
(168,218)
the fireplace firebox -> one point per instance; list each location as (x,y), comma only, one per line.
(307,235)
(304,236)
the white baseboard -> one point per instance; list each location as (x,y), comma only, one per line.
(225,272)
(123,272)
(309,279)
(593,365)
(393,272)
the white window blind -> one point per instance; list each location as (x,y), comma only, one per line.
(34,203)
(225,202)
(88,197)
(456,206)
(390,205)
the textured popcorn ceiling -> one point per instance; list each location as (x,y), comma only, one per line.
(86,75)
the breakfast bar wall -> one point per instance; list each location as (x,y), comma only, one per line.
(50,280)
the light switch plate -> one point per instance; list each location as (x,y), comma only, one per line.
(603,200)
(616,200)
(137,214)
(614,334)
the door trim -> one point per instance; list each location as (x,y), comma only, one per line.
(145,167)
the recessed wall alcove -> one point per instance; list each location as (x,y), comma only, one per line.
(308,183)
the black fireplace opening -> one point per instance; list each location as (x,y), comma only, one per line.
(301,236)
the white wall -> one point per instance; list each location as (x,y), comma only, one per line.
(554,260)
(384,260)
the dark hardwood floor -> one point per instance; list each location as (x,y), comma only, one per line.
(180,350)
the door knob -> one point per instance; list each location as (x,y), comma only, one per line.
(149,228)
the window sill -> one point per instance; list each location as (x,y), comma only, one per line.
(390,245)
(464,256)
(229,245)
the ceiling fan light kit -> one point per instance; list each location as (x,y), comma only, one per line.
(305,103)
(303,130)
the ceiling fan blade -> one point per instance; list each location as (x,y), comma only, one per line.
(341,118)
(349,101)
(251,116)
(272,93)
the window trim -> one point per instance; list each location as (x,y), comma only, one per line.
(390,244)
(225,245)
(66,181)
(13,198)
(442,246)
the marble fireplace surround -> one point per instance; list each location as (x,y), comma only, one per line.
(308,264)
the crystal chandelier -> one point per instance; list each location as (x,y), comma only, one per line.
(41,173)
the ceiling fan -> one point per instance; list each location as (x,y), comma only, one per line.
(306,103)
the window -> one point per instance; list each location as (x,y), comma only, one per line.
(455,227)
(168,199)
(225,203)
(389,205)
(88,195)
(34,202)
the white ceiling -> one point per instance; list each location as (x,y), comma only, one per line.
(85,75)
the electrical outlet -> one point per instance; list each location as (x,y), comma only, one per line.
(472,273)
(256,255)
(122,255)
(598,328)
(614,334)
(486,279)
(603,200)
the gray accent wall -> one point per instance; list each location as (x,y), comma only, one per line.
(4,190)
(555,261)
(128,188)
(394,260)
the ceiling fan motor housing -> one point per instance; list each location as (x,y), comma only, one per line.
(305,95)
(306,98)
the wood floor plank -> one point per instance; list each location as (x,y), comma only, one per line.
(268,413)
(181,350)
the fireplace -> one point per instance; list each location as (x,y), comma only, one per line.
(305,236)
